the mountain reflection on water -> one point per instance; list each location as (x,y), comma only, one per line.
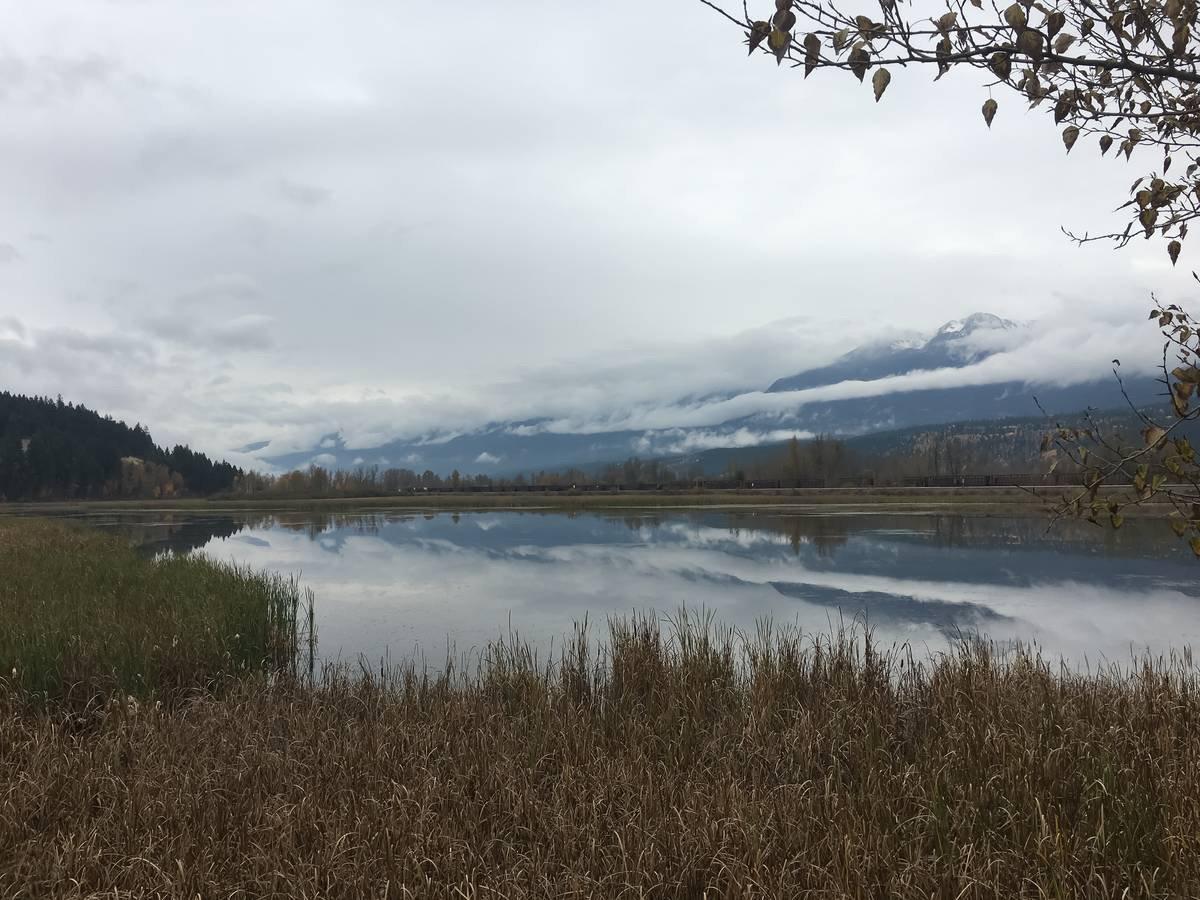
(389,583)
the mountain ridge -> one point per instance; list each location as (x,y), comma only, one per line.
(945,348)
(501,448)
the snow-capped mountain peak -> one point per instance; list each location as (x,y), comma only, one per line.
(905,352)
(979,321)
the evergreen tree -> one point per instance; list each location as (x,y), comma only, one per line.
(55,450)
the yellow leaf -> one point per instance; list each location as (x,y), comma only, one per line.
(1055,22)
(779,41)
(1001,65)
(1015,16)
(989,111)
(859,60)
(881,79)
(812,53)
(758,34)
(1030,43)
(1070,135)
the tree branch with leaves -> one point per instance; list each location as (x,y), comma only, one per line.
(1161,468)
(1122,72)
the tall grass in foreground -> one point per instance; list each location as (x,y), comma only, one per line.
(685,763)
(82,615)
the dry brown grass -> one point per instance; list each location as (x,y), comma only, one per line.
(688,764)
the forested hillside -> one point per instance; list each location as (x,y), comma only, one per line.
(55,450)
(959,448)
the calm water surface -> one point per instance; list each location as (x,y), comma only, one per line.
(395,583)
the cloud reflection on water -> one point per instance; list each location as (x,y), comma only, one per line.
(392,583)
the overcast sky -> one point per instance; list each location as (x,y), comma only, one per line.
(239,221)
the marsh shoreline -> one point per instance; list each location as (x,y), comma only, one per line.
(966,501)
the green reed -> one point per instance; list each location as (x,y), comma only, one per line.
(85,615)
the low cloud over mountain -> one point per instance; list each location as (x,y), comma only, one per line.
(982,366)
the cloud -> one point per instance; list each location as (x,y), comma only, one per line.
(600,249)
(132,376)
(245,332)
(50,79)
(1054,352)
(487,459)
(124,349)
(235,287)
(678,441)
(9,254)
(438,436)
(109,371)
(299,194)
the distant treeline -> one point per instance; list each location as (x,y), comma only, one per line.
(367,481)
(53,450)
(960,452)
(969,454)
(821,457)
(953,456)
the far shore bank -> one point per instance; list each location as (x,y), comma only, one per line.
(967,500)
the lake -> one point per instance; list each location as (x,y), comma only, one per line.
(394,583)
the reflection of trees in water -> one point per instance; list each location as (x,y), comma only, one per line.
(316,523)
(180,534)
(1142,538)
(640,522)
(825,534)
